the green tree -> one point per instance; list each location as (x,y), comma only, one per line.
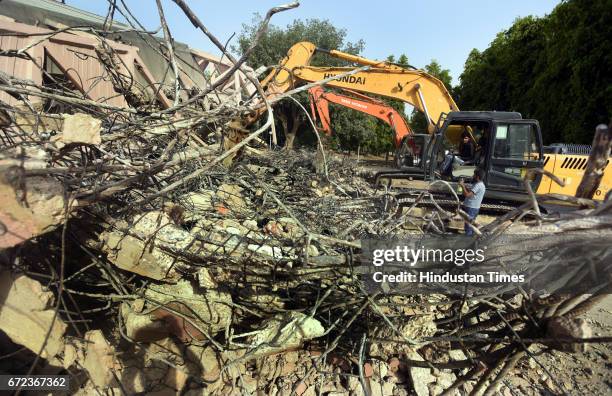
(273,47)
(403,60)
(275,43)
(556,69)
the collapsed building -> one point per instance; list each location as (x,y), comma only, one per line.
(133,260)
(78,58)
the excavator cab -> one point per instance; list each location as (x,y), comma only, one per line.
(506,147)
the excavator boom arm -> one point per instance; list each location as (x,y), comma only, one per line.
(415,87)
(319,100)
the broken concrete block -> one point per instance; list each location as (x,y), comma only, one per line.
(199,201)
(142,328)
(381,388)
(141,255)
(176,379)
(420,376)
(183,309)
(26,314)
(133,380)
(445,379)
(312,250)
(263,299)
(130,254)
(26,157)
(563,327)
(230,226)
(272,251)
(284,332)
(209,361)
(251,225)
(205,281)
(291,228)
(414,329)
(30,209)
(73,352)
(37,122)
(80,128)
(419,327)
(231,194)
(100,360)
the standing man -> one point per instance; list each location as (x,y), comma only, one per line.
(473,198)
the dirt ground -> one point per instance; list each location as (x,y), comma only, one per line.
(588,373)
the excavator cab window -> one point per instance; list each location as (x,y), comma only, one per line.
(517,147)
(517,141)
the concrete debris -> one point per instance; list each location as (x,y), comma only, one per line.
(100,359)
(199,201)
(412,330)
(420,377)
(133,380)
(30,122)
(27,314)
(444,379)
(564,328)
(379,388)
(141,327)
(29,209)
(189,313)
(72,353)
(28,158)
(205,280)
(176,379)
(80,129)
(210,363)
(138,251)
(231,196)
(284,333)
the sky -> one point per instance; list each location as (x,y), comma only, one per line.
(444,30)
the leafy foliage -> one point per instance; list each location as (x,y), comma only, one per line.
(275,43)
(556,69)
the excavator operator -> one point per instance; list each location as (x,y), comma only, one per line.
(483,146)
(466,148)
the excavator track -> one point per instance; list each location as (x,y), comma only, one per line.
(408,199)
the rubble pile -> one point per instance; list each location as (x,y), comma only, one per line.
(243,281)
(137,258)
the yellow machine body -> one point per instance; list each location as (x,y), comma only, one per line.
(570,168)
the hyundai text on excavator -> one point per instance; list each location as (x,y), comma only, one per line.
(509,145)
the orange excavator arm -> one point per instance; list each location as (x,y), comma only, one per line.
(415,87)
(319,103)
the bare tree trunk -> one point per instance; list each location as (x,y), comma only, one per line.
(283,120)
(290,135)
(597,162)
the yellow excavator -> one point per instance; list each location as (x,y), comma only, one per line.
(508,145)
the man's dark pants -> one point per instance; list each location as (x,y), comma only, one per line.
(472,213)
